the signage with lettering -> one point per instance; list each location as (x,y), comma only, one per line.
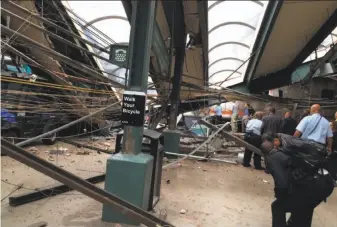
(133,108)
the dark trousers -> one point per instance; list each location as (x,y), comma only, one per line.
(254,140)
(302,202)
(218,119)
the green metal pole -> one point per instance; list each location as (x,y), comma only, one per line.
(172,136)
(142,25)
(179,42)
(129,173)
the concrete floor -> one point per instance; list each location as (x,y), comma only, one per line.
(213,194)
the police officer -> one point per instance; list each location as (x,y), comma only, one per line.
(315,127)
(300,198)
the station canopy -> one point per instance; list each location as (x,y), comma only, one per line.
(232,30)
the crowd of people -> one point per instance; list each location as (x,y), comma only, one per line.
(312,126)
(300,199)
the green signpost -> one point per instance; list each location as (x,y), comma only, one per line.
(129,173)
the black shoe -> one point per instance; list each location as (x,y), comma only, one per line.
(259,168)
(266,171)
(246,165)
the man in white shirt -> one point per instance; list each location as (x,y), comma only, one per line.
(253,136)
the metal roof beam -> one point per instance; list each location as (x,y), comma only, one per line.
(283,77)
(203,20)
(219,2)
(232,23)
(228,43)
(266,27)
(223,70)
(105,18)
(158,47)
(225,59)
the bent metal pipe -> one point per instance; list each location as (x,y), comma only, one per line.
(82,185)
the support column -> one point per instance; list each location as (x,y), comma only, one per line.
(128,174)
(172,136)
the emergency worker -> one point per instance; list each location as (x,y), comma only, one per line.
(299,198)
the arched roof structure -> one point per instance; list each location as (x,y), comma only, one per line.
(232,28)
(215,3)
(224,70)
(105,18)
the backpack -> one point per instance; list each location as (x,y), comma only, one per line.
(307,156)
(330,164)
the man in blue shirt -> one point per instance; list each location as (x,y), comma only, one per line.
(253,136)
(315,127)
(218,113)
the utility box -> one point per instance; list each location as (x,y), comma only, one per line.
(153,145)
(128,176)
(172,141)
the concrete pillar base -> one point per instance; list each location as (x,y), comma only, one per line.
(128,176)
(172,141)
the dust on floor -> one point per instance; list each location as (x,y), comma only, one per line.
(212,194)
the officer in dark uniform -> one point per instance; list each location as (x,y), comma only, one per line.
(300,198)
